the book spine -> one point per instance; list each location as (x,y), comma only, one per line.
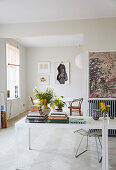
(35,120)
(78,122)
(37,117)
(58,118)
(57,121)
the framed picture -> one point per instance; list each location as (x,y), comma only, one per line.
(102,74)
(44,67)
(62,72)
(44,79)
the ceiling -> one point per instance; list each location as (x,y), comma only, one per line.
(21,11)
(52,41)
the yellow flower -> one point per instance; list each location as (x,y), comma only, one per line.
(36,89)
(104,107)
(44,102)
(50,90)
(47,107)
(52,106)
(38,104)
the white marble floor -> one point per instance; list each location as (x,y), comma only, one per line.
(51,150)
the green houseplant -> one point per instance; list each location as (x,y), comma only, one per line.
(59,104)
(45,99)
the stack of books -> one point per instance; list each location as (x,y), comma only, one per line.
(58,117)
(77,120)
(35,117)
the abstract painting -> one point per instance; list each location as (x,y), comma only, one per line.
(102,74)
(62,72)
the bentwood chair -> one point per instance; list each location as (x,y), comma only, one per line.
(31,99)
(77,106)
(84,133)
(34,107)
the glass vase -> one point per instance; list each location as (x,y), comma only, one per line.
(46,110)
(105,115)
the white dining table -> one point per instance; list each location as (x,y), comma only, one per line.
(102,124)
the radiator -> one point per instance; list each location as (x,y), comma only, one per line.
(95,104)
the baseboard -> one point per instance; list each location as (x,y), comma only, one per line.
(12,116)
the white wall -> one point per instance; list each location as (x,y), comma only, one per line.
(93,29)
(2,65)
(99,34)
(15,106)
(55,54)
(2,71)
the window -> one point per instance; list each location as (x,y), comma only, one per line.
(13,64)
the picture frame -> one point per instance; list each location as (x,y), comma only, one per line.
(44,80)
(44,67)
(62,73)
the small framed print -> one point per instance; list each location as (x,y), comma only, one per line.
(44,67)
(44,79)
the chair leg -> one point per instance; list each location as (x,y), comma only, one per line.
(70,112)
(100,142)
(99,159)
(101,149)
(87,143)
(76,155)
(80,112)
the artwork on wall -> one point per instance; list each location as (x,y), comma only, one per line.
(62,72)
(102,74)
(44,79)
(44,67)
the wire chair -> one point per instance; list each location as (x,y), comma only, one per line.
(84,133)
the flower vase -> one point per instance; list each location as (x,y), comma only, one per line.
(95,114)
(46,110)
(105,115)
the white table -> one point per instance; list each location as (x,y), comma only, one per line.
(90,124)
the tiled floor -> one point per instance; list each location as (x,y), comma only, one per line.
(52,149)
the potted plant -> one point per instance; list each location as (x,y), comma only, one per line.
(59,104)
(44,99)
(105,109)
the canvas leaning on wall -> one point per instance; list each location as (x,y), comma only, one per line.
(62,73)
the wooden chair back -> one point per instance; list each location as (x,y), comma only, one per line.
(77,107)
(78,101)
(31,99)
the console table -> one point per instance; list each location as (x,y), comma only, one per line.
(90,124)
